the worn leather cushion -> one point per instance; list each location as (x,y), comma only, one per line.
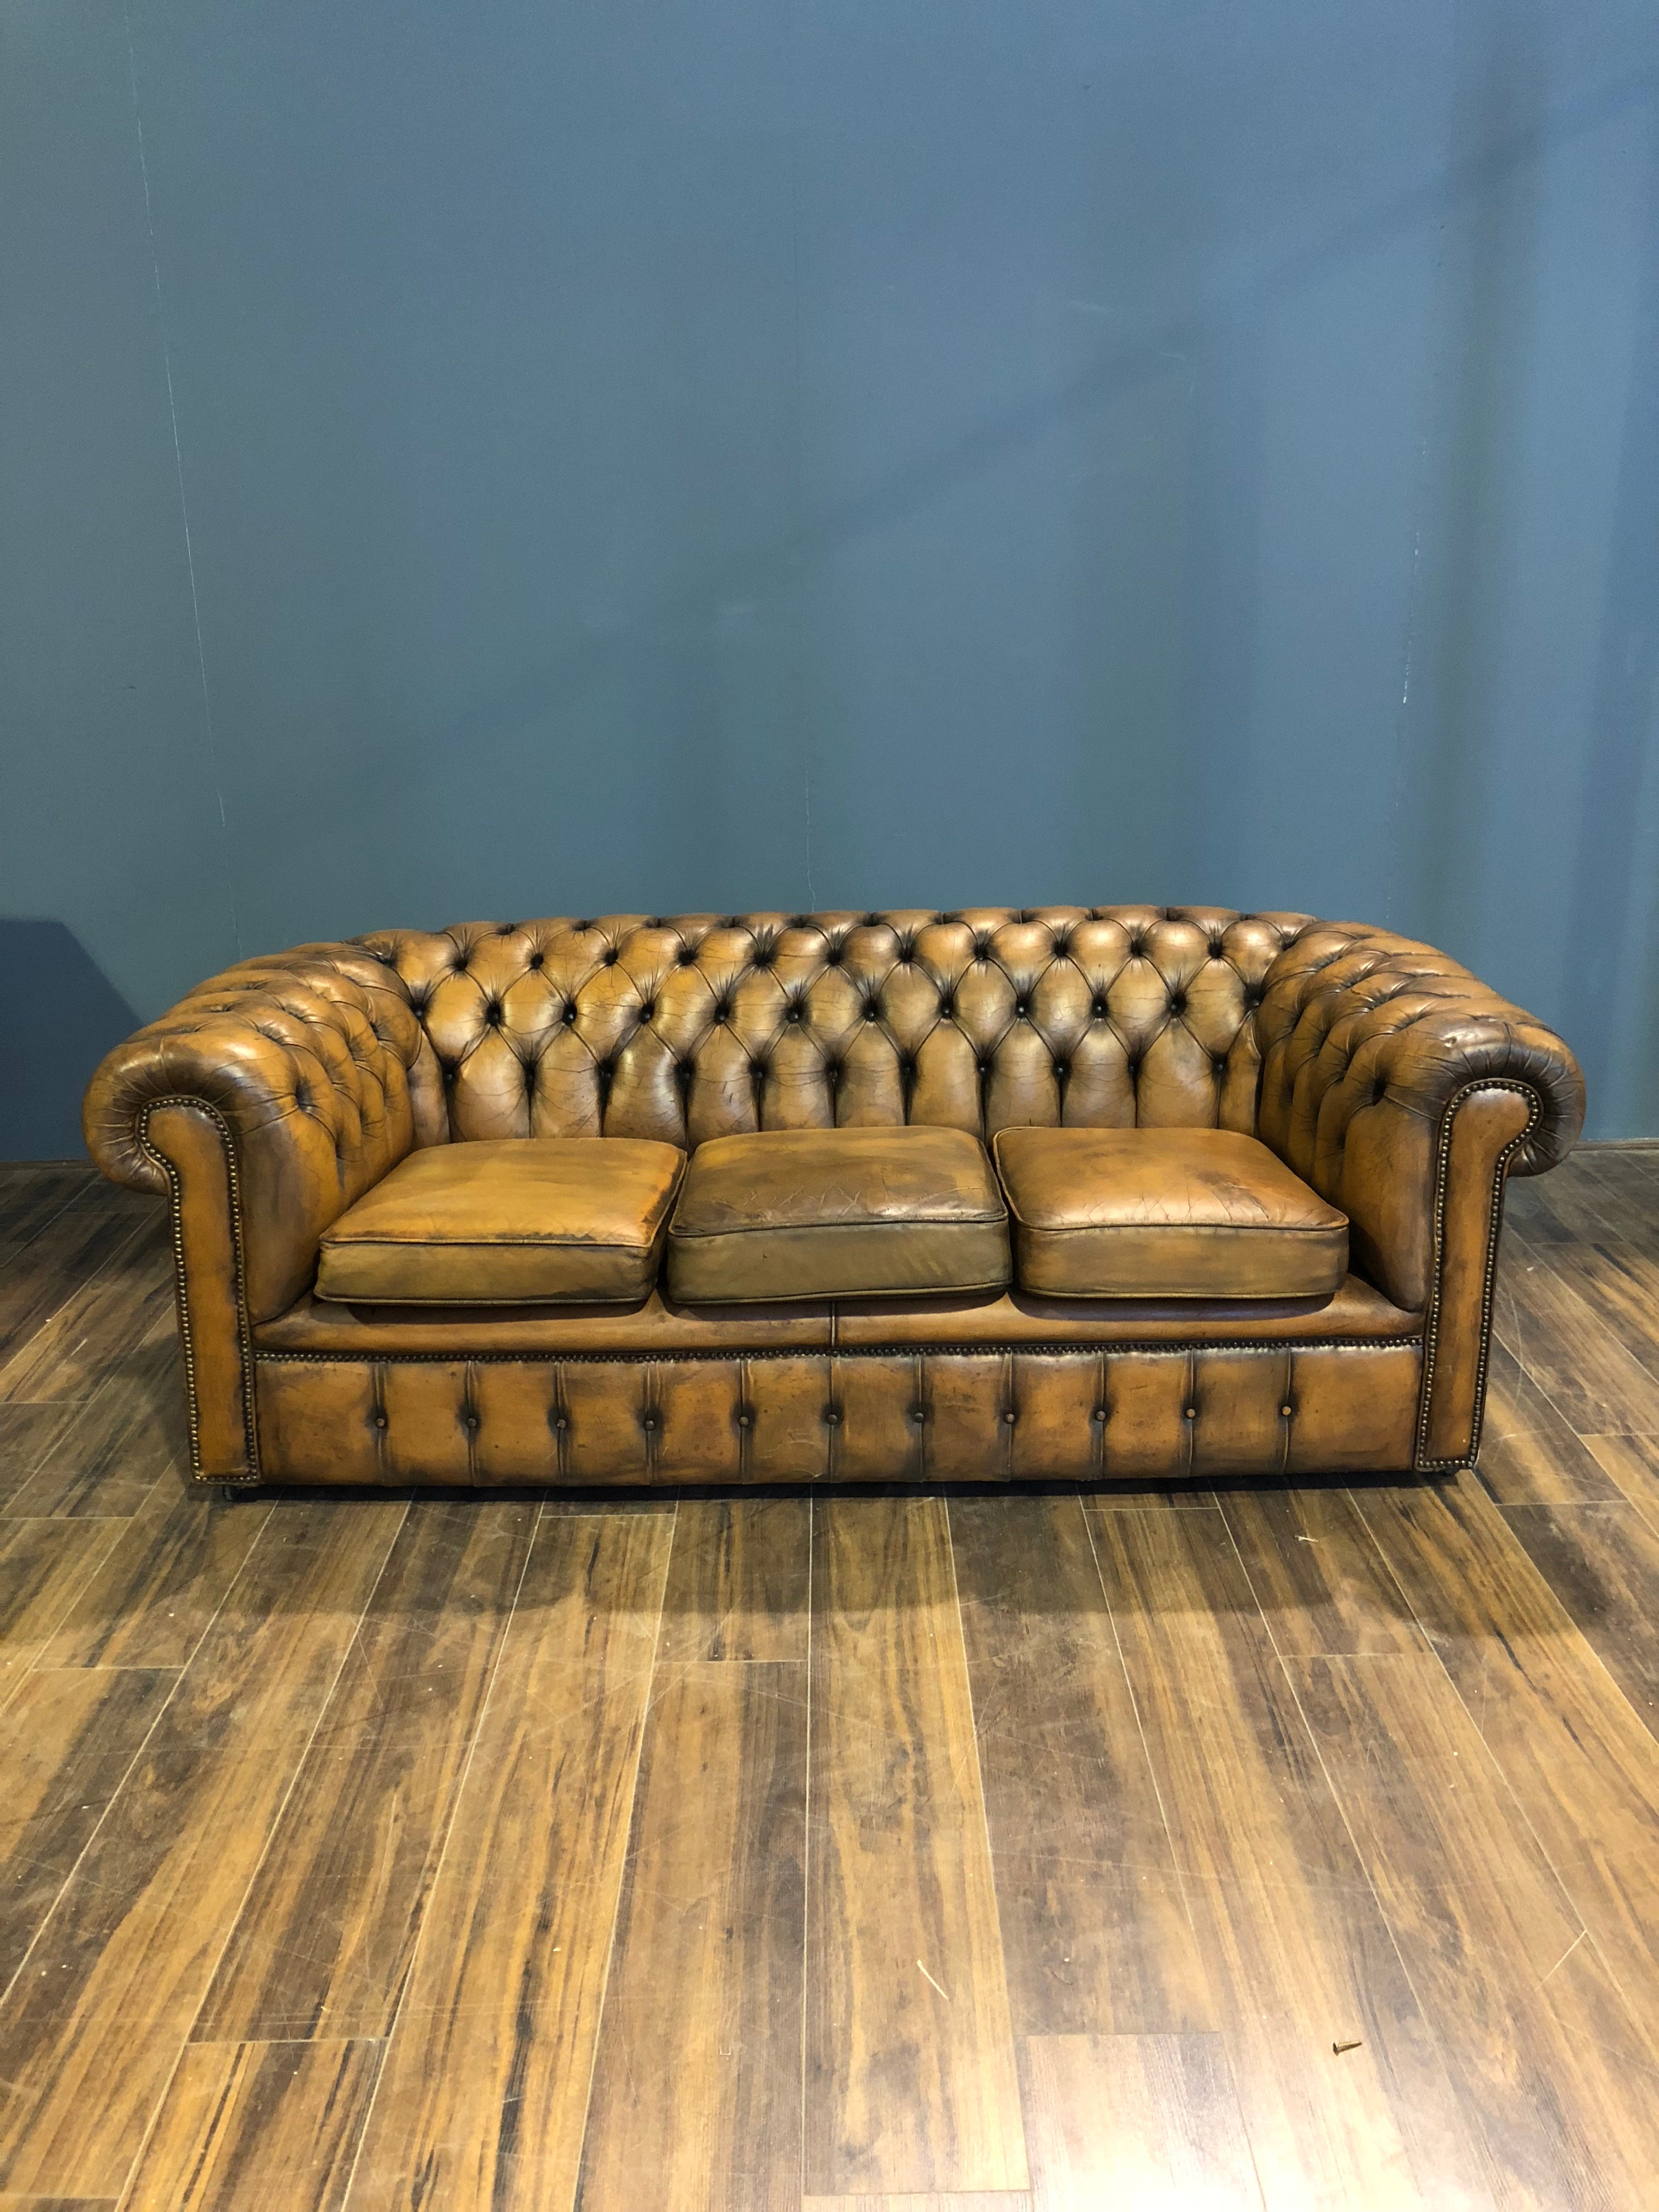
(530,1220)
(1165,1213)
(837,1213)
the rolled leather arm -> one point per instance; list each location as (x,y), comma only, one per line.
(263,1105)
(313,1073)
(1406,1093)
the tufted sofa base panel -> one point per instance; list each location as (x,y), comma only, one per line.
(1156,1412)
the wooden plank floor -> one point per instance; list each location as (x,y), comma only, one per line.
(884,1853)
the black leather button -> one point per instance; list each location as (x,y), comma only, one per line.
(648,1010)
(570,1010)
(919,1415)
(649,1422)
(831,1417)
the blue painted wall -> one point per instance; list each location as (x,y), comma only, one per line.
(507,457)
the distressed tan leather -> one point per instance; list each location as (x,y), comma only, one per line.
(1367,1041)
(1344,1048)
(537,1220)
(837,1213)
(1169,1213)
(320,1076)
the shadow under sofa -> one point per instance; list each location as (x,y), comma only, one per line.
(299,1095)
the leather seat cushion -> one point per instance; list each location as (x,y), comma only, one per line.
(1165,1213)
(527,1221)
(837,1213)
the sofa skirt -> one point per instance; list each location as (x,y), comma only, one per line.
(1150,1413)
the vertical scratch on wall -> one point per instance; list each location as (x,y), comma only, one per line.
(183,507)
(792,79)
(1401,719)
(1413,604)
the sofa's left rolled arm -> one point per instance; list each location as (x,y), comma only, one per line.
(262,1106)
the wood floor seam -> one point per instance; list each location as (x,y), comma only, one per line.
(443,1852)
(979,1767)
(1563,1875)
(350,1645)
(115,1798)
(633,1809)
(1180,1874)
(232,1918)
(1336,1800)
(99,1277)
(806,1853)
(1347,1812)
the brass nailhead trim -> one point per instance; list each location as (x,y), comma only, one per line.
(244,1331)
(1431,1330)
(1042,1349)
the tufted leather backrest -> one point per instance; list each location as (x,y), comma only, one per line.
(703,1026)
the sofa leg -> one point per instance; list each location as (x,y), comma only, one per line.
(226,1493)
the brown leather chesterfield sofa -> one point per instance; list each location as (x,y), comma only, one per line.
(1238,1213)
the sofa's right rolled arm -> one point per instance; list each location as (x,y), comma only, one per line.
(1406,1093)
